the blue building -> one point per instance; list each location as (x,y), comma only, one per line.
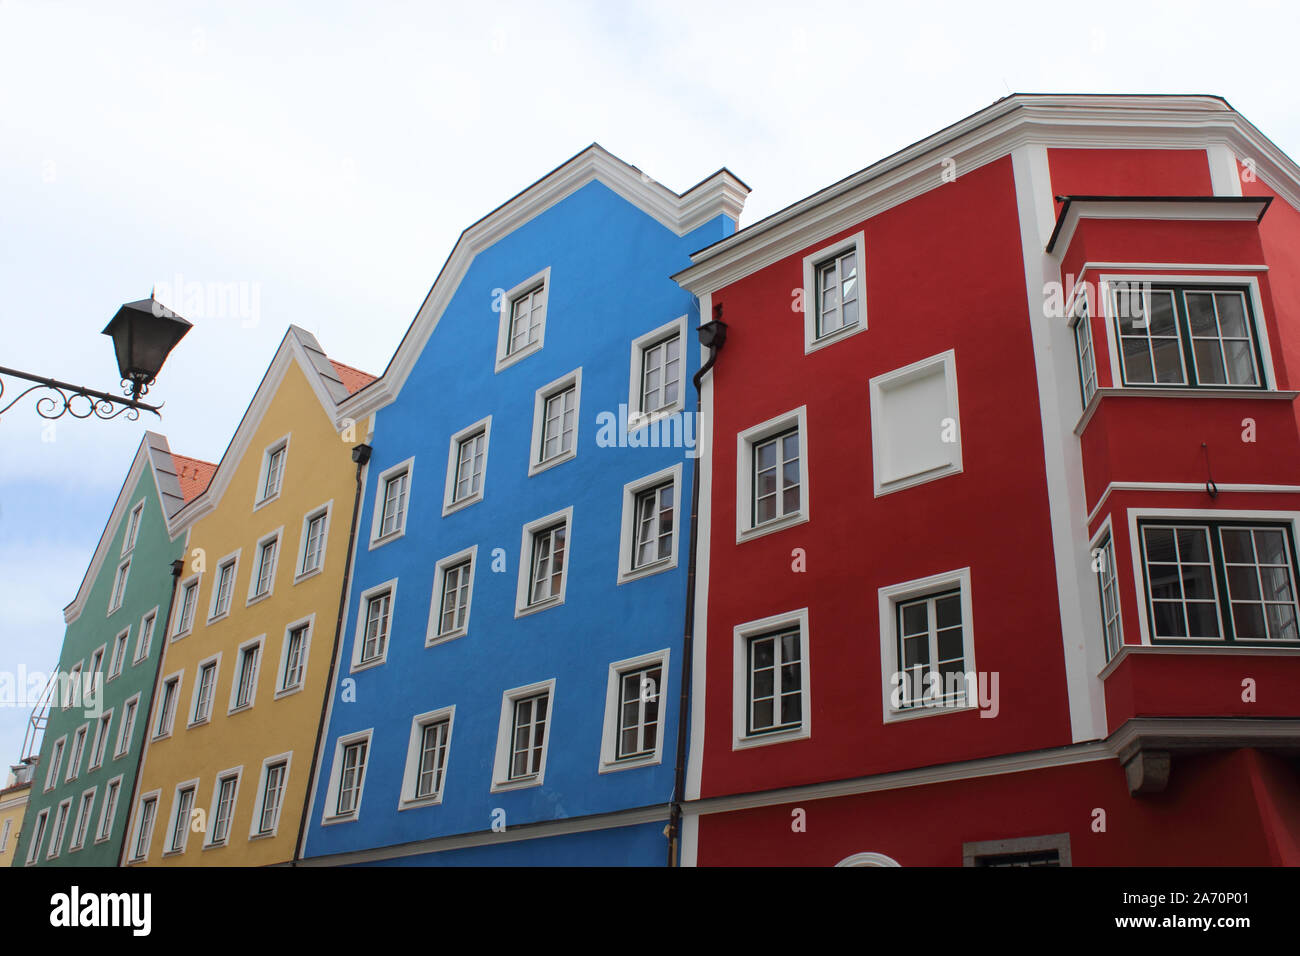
(507,675)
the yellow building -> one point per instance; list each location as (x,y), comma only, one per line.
(241,686)
(13,805)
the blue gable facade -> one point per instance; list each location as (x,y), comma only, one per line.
(471,700)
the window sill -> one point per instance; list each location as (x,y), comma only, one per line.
(340,818)
(307,575)
(198,723)
(925,710)
(832,337)
(258,505)
(284,692)
(238,710)
(648,570)
(539,606)
(219,617)
(384,539)
(433,640)
(263,836)
(415,803)
(499,786)
(505,361)
(638,420)
(451,507)
(802,732)
(216,846)
(631,763)
(771,527)
(258,598)
(920,478)
(1177,391)
(537,467)
(366,665)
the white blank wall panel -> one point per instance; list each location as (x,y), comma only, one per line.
(915,424)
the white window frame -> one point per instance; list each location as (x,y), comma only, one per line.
(56,763)
(562,384)
(40,826)
(381,486)
(1105,538)
(170,849)
(232,559)
(325,511)
(359,637)
(144,636)
(76,842)
(889,598)
(209,838)
(636,416)
(304,656)
(741,635)
(332,816)
(255,571)
(609,760)
(450,503)
(137,832)
(811,304)
(259,803)
(259,497)
(117,596)
(505,358)
(103,832)
(433,635)
(73,686)
(236,678)
(62,812)
(97,659)
(117,662)
(1084,321)
(77,751)
(132,533)
(414,751)
(628,525)
(194,719)
(163,715)
(505,737)
(181,629)
(125,731)
(745,442)
(879,386)
(524,588)
(104,726)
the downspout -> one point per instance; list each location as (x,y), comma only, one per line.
(361,455)
(178,568)
(715,340)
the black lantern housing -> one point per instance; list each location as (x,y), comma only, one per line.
(144,333)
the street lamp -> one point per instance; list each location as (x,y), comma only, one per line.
(143,334)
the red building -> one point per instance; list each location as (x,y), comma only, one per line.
(1037,375)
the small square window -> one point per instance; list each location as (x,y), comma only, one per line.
(543,563)
(556,412)
(770,683)
(392,495)
(834,293)
(426,758)
(523,319)
(467,466)
(772,475)
(523,736)
(453,590)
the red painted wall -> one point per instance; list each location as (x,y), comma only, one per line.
(1129,172)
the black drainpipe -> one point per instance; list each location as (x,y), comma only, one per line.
(361,455)
(714,336)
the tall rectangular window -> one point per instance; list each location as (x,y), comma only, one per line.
(82,820)
(203,695)
(272,792)
(529,737)
(109,810)
(294,660)
(145,641)
(274,472)
(546,578)
(1084,352)
(264,574)
(527,315)
(38,835)
(559,424)
(931,651)
(661,374)
(127,728)
(132,529)
(119,586)
(167,707)
(225,584)
(393,516)
(60,826)
(100,742)
(775,682)
(470,453)
(181,825)
(224,810)
(314,547)
(1104,556)
(119,654)
(433,758)
(246,679)
(189,597)
(776,477)
(352,775)
(638,716)
(77,752)
(144,827)
(653,540)
(455,597)
(375,634)
(837,293)
(56,761)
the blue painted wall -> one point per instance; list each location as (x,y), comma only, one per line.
(609,284)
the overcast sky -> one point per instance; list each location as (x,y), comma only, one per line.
(325,161)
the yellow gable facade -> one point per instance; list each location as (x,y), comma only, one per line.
(245,671)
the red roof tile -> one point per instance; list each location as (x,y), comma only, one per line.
(353,379)
(194,475)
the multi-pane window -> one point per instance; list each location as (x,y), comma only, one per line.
(776,477)
(546,575)
(167,707)
(527,314)
(559,423)
(72,687)
(294,657)
(60,825)
(1084,351)
(314,545)
(1104,565)
(1186,335)
(247,676)
(351,776)
(393,512)
(375,635)
(272,792)
(433,758)
(108,810)
(1220,581)
(38,834)
(528,737)
(82,820)
(145,641)
(837,293)
(468,480)
(224,810)
(56,761)
(203,697)
(119,585)
(454,610)
(119,654)
(225,584)
(96,660)
(775,695)
(189,597)
(181,825)
(931,651)
(653,539)
(265,571)
(77,751)
(4,835)
(661,374)
(127,728)
(144,831)
(100,742)
(638,711)
(132,529)
(274,472)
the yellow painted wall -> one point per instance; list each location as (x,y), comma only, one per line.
(318,469)
(13,802)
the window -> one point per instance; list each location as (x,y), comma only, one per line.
(555,422)
(394,490)
(145,641)
(523,319)
(182,810)
(374,618)
(426,758)
(119,586)
(1220,581)
(266,816)
(648,538)
(1186,335)
(244,689)
(109,810)
(60,825)
(97,659)
(926,651)
(315,529)
(272,476)
(204,688)
(466,465)
(633,735)
(132,529)
(126,730)
(348,777)
(834,298)
(144,826)
(82,820)
(224,587)
(100,743)
(77,751)
(522,736)
(262,581)
(223,807)
(167,706)
(772,475)
(915,424)
(657,381)
(72,688)
(542,562)
(4,834)
(119,654)
(1053,850)
(38,835)
(1104,566)
(453,589)
(189,598)
(1084,352)
(56,761)
(293,663)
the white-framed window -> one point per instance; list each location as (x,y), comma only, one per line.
(119,653)
(56,762)
(523,736)
(634,712)
(271,478)
(119,586)
(312,542)
(142,835)
(543,562)
(97,659)
(100,743)
(266,557)
(1084,353)
(293,656)
(187,600)
(77,752)
(178,826)
(144,642)
(834,292)
(467,466)
(556,411)
(657,381)
(132,529)
(271,786)
(224,586)
(771,680)
(772,475)
(927,652)
(126,729)
(248,660)
(171,689)
(392,497)
(205,689)
(374,623)
(108,809)
(426,758)
(649,536)
(60,827)
(915,424)
(453,592)
(81,822)
(4,834)
(1103,565)
(224,794)
(73,686)
(523,319)
(347,777)
(38,836)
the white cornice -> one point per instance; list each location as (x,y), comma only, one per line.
(720,194)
